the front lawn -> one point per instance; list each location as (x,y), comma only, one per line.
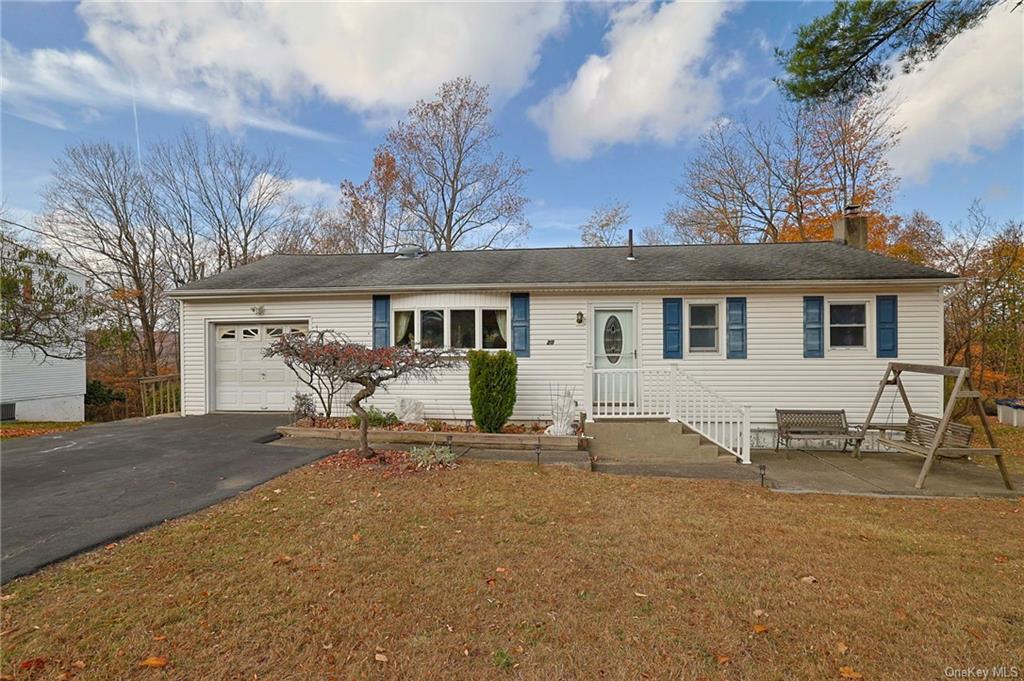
(1009,438)
(9,429)
(500,570)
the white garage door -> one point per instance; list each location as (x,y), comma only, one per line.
(245,380)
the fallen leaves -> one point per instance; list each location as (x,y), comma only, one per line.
(809,579)
(154,662)
(356,537)
(32,664)
(722,659)
(282,560)
(847,672)
(760,628)
(841,648)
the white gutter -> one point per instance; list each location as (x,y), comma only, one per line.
(570,286)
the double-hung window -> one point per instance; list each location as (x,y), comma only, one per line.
(462,329)
(405,328)
(847,325)
(431,328)
(703,331)
(494,328)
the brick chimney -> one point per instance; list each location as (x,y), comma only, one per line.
(852,228)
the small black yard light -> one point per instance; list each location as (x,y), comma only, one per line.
(761,468)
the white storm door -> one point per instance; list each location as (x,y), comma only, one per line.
(614,355)
(245,380)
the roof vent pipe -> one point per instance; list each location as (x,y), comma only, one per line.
(630,237)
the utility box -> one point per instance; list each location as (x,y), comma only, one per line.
(1011,412)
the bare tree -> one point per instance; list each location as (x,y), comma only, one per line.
(189,247)
(316,229)
(460,193)
(787,179)
(605,225)
(655,236)
(241,197)
(99,212)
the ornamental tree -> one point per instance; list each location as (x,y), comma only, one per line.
(327,361)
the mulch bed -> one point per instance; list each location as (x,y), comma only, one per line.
(427,427)
(388,462)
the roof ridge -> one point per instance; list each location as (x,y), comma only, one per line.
(566,248)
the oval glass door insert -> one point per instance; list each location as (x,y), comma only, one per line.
(613,339)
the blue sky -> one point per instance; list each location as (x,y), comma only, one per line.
(601,102)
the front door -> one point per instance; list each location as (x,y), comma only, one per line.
(614,349)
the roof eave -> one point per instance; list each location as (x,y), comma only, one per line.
(185,294)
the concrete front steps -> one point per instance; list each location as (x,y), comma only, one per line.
(650,442)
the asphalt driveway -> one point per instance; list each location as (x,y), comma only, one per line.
(61,494)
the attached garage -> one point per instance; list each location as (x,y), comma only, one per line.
(245,380)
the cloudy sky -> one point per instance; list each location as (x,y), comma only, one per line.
(603,102)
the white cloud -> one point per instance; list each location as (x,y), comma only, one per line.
(35,82)
(971,97)
(309,191)
(248,64)
(653,83)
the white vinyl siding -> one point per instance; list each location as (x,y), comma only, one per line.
(775,373)
(27,377)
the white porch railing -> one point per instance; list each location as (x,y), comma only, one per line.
(672,394)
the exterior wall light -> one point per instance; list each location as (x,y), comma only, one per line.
(258,310)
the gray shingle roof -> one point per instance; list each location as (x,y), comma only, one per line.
(821,261)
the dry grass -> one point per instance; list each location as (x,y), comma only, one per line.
(1011,440)
(9,429)
(500,570)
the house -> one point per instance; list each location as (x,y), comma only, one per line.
(724,333)
(34,387)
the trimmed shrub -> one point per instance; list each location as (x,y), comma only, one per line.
(376,418)
(433,456)
(492,388)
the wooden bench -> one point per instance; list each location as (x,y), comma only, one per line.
(814,424)
(920,432)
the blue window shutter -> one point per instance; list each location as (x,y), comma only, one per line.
(814,326)
(736,328)
(381,321)
(672,328)
(521,324)
(886,323)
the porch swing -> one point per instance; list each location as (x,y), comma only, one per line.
(928,436)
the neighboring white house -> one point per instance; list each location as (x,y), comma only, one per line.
(36,388)
(648,331)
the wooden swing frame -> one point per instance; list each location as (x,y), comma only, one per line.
(963,389)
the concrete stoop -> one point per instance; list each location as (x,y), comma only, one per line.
(650,442)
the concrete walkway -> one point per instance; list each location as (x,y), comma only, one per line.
(888,474)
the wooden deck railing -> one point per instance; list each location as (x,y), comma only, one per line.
(160,394)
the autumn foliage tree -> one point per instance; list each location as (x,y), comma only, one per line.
(327,362)
(375,211)
(606,225)
(42,309)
